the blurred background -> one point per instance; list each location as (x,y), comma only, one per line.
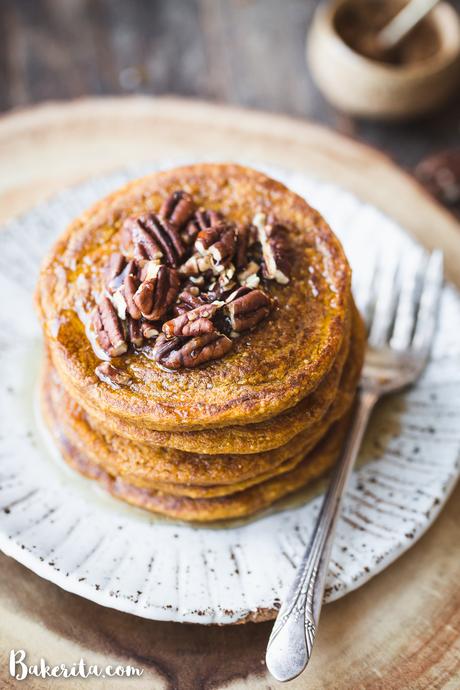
(245,52)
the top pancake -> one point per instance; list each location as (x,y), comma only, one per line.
(269,369)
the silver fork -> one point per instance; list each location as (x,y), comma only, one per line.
(401,313)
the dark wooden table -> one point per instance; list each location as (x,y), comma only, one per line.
(245,52)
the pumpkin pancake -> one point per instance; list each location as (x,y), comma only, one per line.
(264,371)
(253,438)
(146,465)
(237,505)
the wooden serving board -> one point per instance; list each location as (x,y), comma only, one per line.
(399,631)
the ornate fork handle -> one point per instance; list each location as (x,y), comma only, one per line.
(291,642)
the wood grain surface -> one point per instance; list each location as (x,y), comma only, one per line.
(399,631)
(242,52)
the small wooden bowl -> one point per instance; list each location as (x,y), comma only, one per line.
(377,90)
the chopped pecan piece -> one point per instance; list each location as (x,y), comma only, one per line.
(202,219)
(108,329)
(252,281)
(206,238)
(118,300)
(149,330)
(248,277)
(246,309)
(179,308)
(275,249)
(178,208)
(197,264)
(194,322)
(107,373)
(224,284)
(149,269)
(177,353)
(191,289)
(155,296)
(199,281)
(218,241)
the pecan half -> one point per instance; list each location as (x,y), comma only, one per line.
(246,309)
(207,218)
(201,220)
(194,322)
(166,236)
(114,270)
(135,333)
(108,329)
(206,238)
(222,251)
(191,289)
(155,296)
(138,242)
(107,373)
(242,246)
(178,208)
(275,249)
(130,285)
(177,353)
(239,292)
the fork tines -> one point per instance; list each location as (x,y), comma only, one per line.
(402,302)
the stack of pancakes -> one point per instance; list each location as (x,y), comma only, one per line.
(230,437)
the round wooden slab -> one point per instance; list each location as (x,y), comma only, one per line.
(402,629)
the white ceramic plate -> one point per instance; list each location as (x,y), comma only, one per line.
(66,530)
